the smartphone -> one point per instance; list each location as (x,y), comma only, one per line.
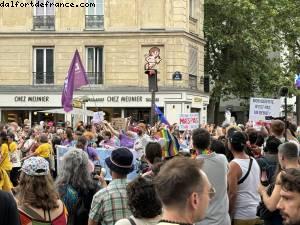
(97,171)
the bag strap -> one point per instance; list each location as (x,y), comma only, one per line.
(30,212)
(247,174)
(131,221)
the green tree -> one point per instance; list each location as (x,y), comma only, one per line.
(241,35)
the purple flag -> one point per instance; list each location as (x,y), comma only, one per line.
(75,79)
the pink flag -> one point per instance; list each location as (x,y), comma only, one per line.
(75,79)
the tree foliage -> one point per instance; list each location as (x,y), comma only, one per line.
(251,46)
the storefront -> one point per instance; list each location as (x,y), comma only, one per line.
(17,107)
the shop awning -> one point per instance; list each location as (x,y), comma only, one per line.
(75,111)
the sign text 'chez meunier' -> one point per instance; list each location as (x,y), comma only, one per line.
(31,98)
(121,99)
(93,99)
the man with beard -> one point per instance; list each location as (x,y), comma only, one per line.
(289,203)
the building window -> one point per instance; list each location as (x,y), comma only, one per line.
(44,18)
(94,62)
(192,81)
(193,67)
(43,66)
(192,8)
(94,19)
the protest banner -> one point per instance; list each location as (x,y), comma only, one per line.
(98,117)
(103,154)
(118,123)
(260,108)
(188,121)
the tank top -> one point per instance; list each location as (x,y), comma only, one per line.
(27,217)
(247,198)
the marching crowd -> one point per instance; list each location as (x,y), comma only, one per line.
(233,174)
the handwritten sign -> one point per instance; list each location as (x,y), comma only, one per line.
(262,107)
(118,123)
(98,117)
(189,121)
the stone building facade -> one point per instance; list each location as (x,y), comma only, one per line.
(112,36)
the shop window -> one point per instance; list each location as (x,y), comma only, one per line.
(94,64)
(43,66)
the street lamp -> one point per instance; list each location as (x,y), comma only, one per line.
(284,93)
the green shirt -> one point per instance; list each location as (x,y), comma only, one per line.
(110,204)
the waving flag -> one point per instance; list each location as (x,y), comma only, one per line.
(75,79)
(161,116)
(171,145)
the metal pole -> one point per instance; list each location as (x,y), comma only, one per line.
(285,117)
(152,114)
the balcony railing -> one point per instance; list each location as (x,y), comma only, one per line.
(94,22)
(40,78)
(192,81)
(44,22)
(95,77)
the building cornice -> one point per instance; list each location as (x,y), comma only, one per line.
(57,89)
(106,34)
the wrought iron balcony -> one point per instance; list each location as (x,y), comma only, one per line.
(95,77)
(94,22)
(40,78)
(44,22)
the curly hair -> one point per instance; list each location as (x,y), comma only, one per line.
(142,199)
(74,171)
(37,191)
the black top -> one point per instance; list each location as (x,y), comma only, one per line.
(8,210)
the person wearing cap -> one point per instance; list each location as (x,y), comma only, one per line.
(243,182)
(37,199)
(110,204)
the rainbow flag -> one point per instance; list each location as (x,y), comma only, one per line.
(171,145)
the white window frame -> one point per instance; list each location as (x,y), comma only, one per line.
(45,8)
(96,63)
(192,5)
(95,8)
(44,61)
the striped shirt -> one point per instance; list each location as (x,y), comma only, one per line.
(110,204)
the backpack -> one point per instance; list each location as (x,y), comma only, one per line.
(80,203)
(269,168)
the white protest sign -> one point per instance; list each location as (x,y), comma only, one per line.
(98,117)
(188,121)
(262,107)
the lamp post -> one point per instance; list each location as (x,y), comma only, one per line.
(152,82)
(284,93)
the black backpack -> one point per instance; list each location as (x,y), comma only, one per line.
(269,167)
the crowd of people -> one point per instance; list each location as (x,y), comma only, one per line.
(213,175)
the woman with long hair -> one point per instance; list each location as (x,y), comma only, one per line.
(76,186)
(37,200)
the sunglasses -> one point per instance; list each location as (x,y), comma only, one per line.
(212,193)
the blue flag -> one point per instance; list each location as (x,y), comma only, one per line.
(161,116)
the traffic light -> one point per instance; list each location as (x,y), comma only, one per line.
(152,80)
(206,83)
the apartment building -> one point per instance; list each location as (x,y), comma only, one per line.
(113,38)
